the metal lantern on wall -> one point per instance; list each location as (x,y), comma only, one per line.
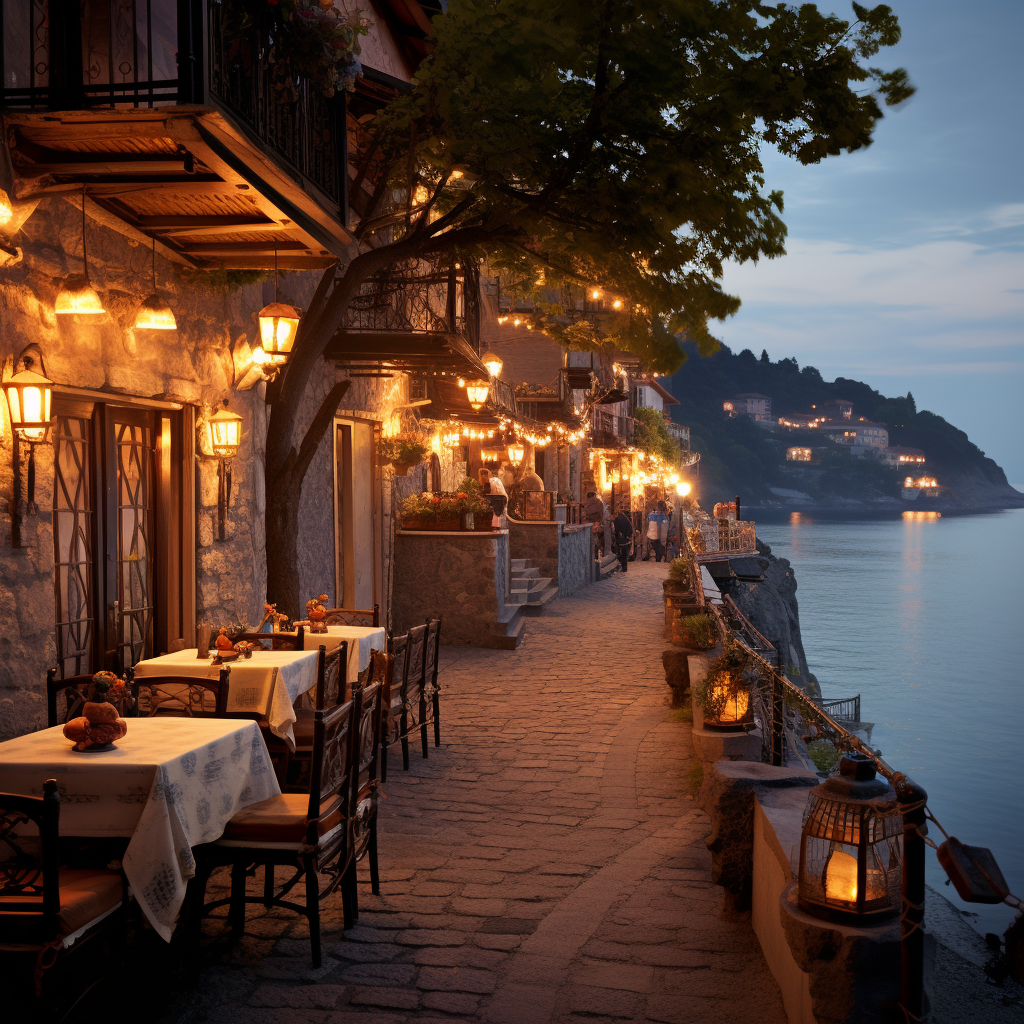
(29,397)
(516,454)
(477,392)
(851,846)
(225,433)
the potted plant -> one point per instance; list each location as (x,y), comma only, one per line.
(403,450)
(697,632)
(679,578)
(449,514)
(419,512)
(724,693)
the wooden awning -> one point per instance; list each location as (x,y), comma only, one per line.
(413,352)
(211,196)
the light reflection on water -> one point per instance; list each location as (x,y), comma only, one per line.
(923,617)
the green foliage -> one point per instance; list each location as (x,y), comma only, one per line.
(420,506)
(621,145)
(700,631)
(408,447)
(723,676)
(695,776)
(679,570)
(469,486)
(823,754)
(652,436)
(683,714)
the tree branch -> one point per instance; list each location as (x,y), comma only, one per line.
(317,429)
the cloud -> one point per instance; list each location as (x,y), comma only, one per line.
(932,285)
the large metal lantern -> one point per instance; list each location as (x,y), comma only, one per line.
(851,846)
(279,324)
(477,392)
(726,703)
(225,433)
(29,395)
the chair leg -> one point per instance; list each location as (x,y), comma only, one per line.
(236,910)
(436,698)
(371,853)
(313,909)
(196,895)
(268,884)
(354,888)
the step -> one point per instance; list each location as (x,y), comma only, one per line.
(519,563)
(515,626)
(536,607)
(523,574)
(528,596)
(606,567)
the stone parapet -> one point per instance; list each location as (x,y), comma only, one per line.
(561,552)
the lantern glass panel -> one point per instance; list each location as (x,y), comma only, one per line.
(225,434)
(279,323)
(476,392)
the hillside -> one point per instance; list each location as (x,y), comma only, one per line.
(739,457)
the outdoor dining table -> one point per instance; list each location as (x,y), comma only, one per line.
(267,683)
(170,784)
(361,640)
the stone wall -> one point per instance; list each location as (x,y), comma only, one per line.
(196,365)
(460,576)
(575,566)
(537,542)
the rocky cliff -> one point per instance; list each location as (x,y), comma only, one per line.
(772,607)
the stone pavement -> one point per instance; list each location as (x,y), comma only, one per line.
(544,865)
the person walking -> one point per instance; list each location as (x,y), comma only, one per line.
(657,530)
(623,538)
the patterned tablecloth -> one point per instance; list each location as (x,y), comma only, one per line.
(267,683)
(170,784)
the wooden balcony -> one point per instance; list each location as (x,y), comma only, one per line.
(168,113)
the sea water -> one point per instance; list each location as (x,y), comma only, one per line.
(923,616)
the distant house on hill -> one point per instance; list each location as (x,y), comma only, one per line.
(836,409)
(862,436)
(901,458)
(758,407)
(800,420)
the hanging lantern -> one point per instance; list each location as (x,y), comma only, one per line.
(851,846)
(477,392)
(278,325)
(29,395)
(154,314)
(6,209)
(76,294)
(516,454)
(493,363)
(225,433)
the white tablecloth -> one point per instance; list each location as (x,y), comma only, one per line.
(267,683)
(361,640)
(170,784)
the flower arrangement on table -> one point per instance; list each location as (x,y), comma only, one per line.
(403,450)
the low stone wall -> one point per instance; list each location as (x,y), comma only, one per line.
(462,577)
(561,552)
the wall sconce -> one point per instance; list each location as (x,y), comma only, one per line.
(225,437)
(29,399)
(493,363)
(851,846)
(477,392)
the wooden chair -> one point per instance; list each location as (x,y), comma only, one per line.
(367,766)
(45,911)
(328,692)
(278,641)
(398,651)
(309,832)
(182,696)
(431,689)
(74,689)
(354,616)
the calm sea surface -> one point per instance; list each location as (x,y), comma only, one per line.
(924,618)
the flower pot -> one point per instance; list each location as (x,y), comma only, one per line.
(450,524)
(482,524)
(414,523)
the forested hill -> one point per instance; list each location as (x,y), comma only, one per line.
(739,457)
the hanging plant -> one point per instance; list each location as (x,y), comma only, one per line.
(403,450)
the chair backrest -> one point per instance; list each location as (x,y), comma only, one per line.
(74,690)
(278,641)
(29,859)
(330,683)
(432,653)
(415,662)
(332,774)
(354,616)
(370,708)
(398,648)
(182,696)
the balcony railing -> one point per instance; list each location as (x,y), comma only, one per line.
(61,55)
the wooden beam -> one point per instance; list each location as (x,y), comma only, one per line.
(127,186)
(268,245)
(145,168)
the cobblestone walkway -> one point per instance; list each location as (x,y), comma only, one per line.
(544,865)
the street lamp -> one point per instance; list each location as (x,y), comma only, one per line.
(851,846)
(477,392)
(516,453)
(493,363)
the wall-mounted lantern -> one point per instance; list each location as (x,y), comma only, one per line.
(516,454)
(29,399)
(477,392)
(225,437)
(76,294)
(493,362)
(851,846)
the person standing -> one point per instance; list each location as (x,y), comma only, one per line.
(623,531)
(493,489)
(657,530)
(594,512)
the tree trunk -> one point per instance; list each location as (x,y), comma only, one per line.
(282,528)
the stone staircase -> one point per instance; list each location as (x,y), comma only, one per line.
(529,590)
(604,567)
